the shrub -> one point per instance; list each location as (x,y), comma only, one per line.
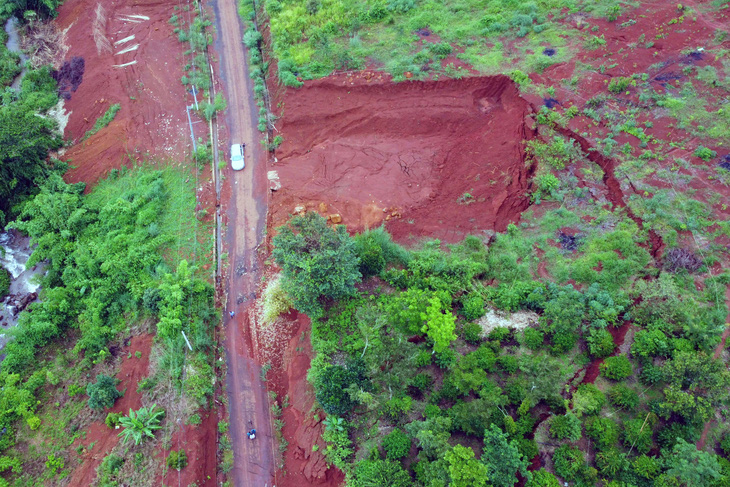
(397,407)
(638,433)
(705,153)
(332,383)
(534,338)
(623,397)
(423,358)
(542,478)
(112,420)
(177,459)
(616,368)
(568,462)
(109,469)
(646,467)
(103,393)
(276,301)
(141,424)
(508,363)
(500,334)
(588,399)
(252,38)
(565,427)
(600,343)
(446,359)
(422,382)
(603,431)
(473,308)
(396,444)
(471,333)
(619,84)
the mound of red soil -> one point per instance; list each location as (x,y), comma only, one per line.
(144,80)
(437,158)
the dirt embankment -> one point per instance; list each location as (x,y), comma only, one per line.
(132,58)
(438,159)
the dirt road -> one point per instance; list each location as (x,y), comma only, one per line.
(247,399)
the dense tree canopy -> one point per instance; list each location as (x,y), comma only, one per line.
(318,262)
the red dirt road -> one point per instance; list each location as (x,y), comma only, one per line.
(438,159)
(247,398)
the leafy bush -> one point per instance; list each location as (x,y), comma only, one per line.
(508,363)
(396,444)
(568,462)
(638,433)
(588,399)
(112,420)
(108,470)
(616,368)
(396,407)
(103,393)
(331,386)
(473,307)
(600,343)
(380,472)
(704,153)
(177,459)
(141,424)
(566,427)
(534,338)
(542,478)
(619,84)
(471,332)
(422,382)
(623,397)
(604,431)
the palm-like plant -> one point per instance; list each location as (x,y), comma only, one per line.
(141,424)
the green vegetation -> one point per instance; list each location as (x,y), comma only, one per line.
(103,121)
(103,393)
(415,319)
(141,424)
(177,459)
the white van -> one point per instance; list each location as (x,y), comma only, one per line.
(237,162)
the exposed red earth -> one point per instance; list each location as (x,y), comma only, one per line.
(439,159)
(144,80)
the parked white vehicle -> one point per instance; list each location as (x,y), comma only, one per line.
(237,161)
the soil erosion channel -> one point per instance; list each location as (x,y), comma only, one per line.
(248,402)
(438,159)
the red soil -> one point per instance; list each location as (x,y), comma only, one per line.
(405,153)
(302,429)
(104,440)
(200,445)
(152,119)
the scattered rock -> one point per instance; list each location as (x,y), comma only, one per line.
(299,210)
(323,207)
(335,218)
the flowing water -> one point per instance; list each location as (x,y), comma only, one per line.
(14,253)
(11,27)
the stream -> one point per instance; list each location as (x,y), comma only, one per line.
(14,253)
(11,27)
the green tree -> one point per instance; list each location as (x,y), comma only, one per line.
(617,368)
(141,424)
(464,469)
(690,466)
(318,262)
(103,393)
(502,458)
(440,325)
